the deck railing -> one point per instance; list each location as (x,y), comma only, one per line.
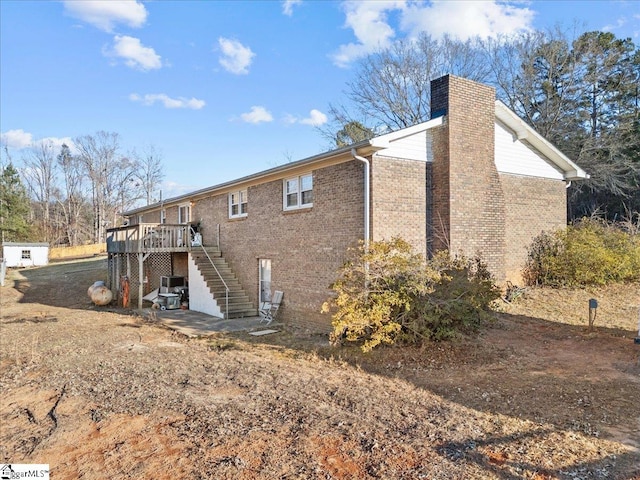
(149,237)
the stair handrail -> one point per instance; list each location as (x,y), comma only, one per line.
(226,288)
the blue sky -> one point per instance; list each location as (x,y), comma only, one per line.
(224,89)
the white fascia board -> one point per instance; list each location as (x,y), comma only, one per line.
(383,140)
(523,131)
(364,147)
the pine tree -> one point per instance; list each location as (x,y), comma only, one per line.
(14,206)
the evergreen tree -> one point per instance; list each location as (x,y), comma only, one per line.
(14,206)
(353,132)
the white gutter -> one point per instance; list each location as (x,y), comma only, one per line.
(367,189)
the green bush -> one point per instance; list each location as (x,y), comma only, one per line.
(390,294)
(590,252)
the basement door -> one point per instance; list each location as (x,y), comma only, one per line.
(265,280)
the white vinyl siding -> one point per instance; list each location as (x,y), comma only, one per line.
(516,157)
(412,147)
(298,192)
(238,204)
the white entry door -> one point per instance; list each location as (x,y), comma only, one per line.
(265,280)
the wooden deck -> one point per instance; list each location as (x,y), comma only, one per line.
(150,238)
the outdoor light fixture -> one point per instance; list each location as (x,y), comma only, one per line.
(593,310)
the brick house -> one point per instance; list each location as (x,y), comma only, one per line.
(473,179)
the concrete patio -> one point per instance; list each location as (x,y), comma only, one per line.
(197,324)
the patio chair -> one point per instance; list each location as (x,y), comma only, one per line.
(269,310)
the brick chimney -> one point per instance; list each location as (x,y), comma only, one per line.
(468,214)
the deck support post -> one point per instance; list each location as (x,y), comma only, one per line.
(140,279)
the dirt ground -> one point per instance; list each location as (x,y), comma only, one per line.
(99,393)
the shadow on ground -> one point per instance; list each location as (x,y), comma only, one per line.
(549,373)
(61,284)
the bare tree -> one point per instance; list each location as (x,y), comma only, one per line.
(392,86)
(535,75)
(72,201)
(40,176)
(110,176)
(149,171)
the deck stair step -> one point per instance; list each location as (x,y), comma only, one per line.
(239,303)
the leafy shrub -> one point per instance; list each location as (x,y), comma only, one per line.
(390,294)
(590,252)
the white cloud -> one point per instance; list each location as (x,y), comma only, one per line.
(315,119)
(106,14)
(236,57)
(368,20)
(257,115)
(57,143)
(289,119)
(464,19)
(461,19)
(168,102)
(610,27)
(175,189)
(19,139)
(16,139)
(135,54)
(287,6)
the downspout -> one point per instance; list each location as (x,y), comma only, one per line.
(367,189)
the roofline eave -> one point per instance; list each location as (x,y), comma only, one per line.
(363,147)
(570,170)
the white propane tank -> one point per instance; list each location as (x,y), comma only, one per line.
(99,293)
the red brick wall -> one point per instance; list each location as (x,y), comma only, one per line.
(473,212)
(398,199)
(306,246)
(533,205)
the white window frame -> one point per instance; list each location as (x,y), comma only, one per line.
(297,182)
(241,195)
(163,215)
(187,207)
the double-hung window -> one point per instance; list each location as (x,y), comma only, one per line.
(238,204)
(298,192)
(26,255)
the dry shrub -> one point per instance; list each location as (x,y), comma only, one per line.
(390,294)
(589,252)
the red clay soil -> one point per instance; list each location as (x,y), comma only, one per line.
(101,393)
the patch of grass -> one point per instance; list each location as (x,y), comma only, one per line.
(220,344)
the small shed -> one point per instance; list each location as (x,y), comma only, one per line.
(20,254)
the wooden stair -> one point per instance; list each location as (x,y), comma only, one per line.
(239,303)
